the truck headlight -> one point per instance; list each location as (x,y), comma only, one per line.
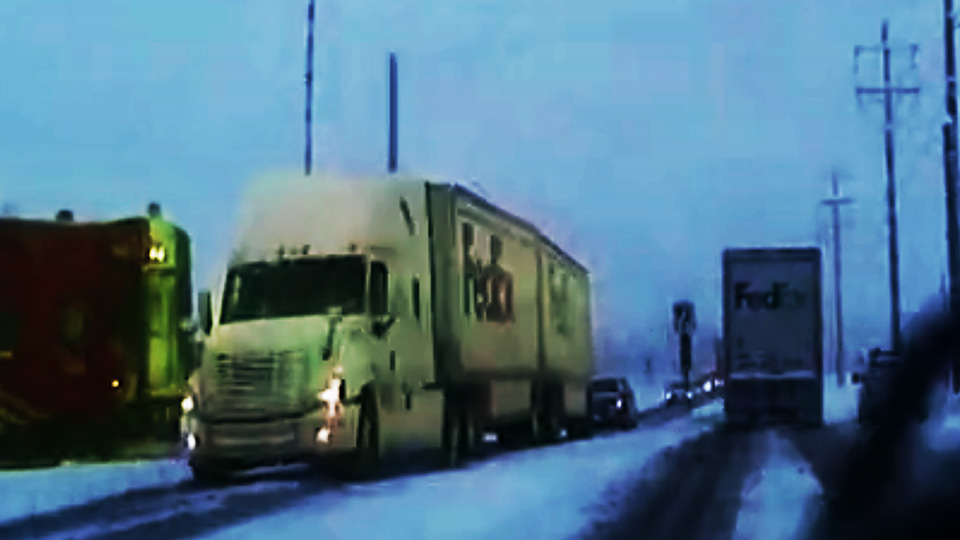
(331,396)
(157,253)
(187,404)
(619,403)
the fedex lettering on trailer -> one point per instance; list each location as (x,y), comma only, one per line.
(779,296)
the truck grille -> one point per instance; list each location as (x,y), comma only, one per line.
(260,384)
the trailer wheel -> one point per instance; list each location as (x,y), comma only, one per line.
(452,436)
(552,426)
(470,437)
(580,428)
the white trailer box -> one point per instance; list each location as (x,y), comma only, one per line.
(773,334)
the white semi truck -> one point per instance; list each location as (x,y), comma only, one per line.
(773,334)
(367,317)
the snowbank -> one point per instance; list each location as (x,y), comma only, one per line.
(27,493)
(572,481)
(839,403)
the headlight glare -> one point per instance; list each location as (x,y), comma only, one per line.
(331,396)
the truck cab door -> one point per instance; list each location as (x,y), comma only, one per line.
(397,326)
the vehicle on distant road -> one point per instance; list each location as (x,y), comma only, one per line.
(717,379)
(674,393)
(706,385)
(874,379)
(613,402)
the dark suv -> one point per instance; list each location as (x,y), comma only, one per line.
(875,383)
(613,402)
(880,367)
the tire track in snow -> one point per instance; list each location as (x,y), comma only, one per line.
(780,496)
(691,491)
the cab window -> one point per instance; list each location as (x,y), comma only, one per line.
(378,288)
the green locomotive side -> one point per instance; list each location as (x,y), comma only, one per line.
(167,324)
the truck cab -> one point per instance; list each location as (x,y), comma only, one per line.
(317,329)
(285,357)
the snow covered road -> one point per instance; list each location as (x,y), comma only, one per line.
(551,492)
(554,492)
(748,484)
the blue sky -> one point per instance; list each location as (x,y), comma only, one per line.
(643,136)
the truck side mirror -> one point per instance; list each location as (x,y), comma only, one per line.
(205,308)
(381,324)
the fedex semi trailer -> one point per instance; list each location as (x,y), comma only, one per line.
(772,327)
(364,318)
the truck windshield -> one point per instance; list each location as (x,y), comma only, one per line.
(294,288)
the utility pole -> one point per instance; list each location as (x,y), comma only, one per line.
(888,91)
(944,296)
(308,80)
(950,174)
(684,323)
(835,201)
(392,128)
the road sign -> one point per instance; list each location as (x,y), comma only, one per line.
(684,317)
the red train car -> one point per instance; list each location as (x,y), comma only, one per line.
(79,311)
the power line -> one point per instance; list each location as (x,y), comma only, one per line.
(888,91)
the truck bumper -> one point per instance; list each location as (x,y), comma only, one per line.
(250,443)
(783,398)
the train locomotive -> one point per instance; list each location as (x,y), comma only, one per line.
(96,338)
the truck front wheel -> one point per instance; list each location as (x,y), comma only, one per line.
(366,458)
(205,472)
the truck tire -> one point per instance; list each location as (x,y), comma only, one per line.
(365,461)
(472,437)
(458,434)
(580,428)
(551,426)
(208,472)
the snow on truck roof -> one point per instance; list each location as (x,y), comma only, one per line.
(279,206)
